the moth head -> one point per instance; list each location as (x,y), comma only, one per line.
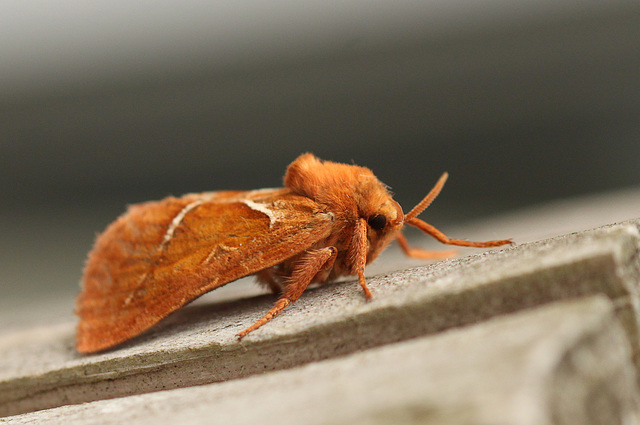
(383,222)
(349,190)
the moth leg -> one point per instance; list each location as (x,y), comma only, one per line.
(357,255)
(432,231)
(421,253)
(310,264)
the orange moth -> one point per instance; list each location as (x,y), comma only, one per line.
(329,220)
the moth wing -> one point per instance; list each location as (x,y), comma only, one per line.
(161,255)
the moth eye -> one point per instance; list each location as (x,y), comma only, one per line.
(377,222)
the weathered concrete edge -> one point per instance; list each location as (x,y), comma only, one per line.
(588,350)
(418,314)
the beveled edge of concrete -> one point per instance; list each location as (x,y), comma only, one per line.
(197,344)
(564,362)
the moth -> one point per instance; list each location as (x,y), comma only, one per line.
(329,220)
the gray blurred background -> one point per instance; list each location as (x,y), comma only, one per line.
(106,103)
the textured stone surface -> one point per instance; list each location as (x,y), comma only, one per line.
(564,363)
(41,369)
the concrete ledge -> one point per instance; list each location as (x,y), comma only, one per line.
(564,363)
(197,345)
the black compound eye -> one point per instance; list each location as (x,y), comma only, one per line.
(377,222)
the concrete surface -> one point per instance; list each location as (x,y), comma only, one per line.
(564,363)
(197,345)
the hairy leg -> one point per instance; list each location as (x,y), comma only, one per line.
(432,231)
(421,253)
(310,264)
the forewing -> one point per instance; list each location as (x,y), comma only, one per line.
(161,255)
